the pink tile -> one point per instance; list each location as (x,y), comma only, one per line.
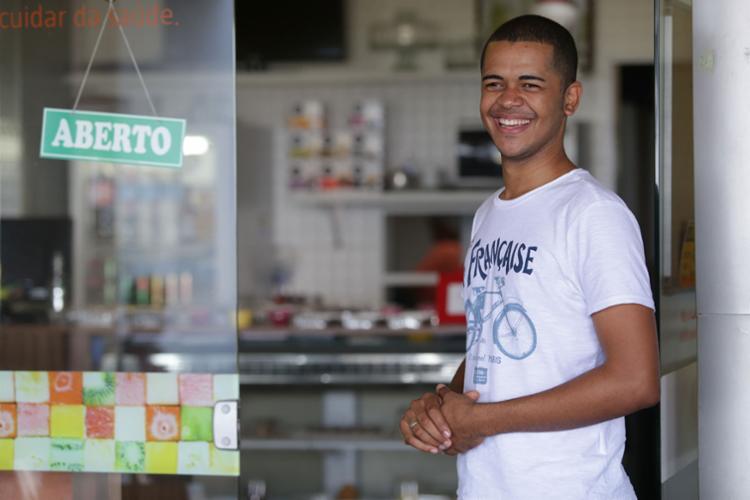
(196,389)
(130,389)
(33,419)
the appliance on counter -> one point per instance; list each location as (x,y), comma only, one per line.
(478,159)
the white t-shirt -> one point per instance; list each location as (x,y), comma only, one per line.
(538,267)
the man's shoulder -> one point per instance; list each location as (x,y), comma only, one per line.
(582,192)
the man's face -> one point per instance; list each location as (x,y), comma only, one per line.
(523,103)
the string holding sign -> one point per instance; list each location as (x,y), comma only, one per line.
(111,10)
(112,137)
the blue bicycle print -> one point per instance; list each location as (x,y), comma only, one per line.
(513,332)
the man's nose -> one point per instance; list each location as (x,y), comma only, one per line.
(510,98)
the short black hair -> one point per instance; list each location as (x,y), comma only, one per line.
(531,28)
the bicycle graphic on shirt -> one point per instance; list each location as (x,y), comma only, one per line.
(513,331)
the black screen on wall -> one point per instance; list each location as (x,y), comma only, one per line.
(288,31)
(27,247)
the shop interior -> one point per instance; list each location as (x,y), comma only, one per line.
(323,269)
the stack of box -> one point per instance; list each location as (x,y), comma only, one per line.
(306,127)
(329,159)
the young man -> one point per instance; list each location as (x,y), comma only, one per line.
(561,337)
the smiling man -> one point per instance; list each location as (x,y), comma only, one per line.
(561,338)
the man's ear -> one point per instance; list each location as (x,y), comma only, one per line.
(572,98)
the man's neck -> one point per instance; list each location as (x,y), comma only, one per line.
(520,177)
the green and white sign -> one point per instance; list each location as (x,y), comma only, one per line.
(112,137)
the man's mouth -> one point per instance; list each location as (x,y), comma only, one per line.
(512,124)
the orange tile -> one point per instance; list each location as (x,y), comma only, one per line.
(162,423)
(8,420)
(65,388)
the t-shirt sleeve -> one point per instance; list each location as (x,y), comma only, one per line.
(608,258)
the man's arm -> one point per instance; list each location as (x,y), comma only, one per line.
(627,381)
(457,383)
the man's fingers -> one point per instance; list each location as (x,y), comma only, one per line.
(437,417)
(412,440)
(427,431)
(424,436)
(473,395)
(443,390)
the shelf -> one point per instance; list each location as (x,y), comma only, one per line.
(281,333)
(289,77)
(398,202)
(318,443)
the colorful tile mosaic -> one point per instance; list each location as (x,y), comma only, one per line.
(156,423)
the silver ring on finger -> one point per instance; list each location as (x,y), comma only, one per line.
(413,424)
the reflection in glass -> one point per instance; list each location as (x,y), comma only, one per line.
(118,267)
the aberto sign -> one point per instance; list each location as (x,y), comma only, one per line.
(112,137)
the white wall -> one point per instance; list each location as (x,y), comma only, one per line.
(454,20)
(422,116)
(623,34)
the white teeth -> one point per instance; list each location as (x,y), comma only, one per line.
(512,123)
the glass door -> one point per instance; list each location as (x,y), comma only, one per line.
(677,320)
(118,343)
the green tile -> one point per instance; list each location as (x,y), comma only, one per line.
(197,423)
(130,456)
(98,388)
(66,455)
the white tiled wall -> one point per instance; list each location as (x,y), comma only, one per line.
(422,116)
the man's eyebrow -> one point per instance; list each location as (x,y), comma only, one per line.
(522,77)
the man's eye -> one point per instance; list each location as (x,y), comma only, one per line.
(530,86)
(492,86)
